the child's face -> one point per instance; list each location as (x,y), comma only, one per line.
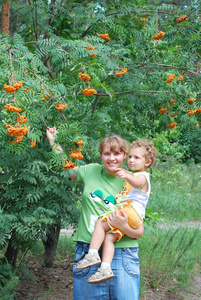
(137,161)
(112,159)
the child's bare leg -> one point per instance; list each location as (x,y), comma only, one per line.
(108,247)
(98,236)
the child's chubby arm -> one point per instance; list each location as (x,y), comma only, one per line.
(136,182)
(51,135)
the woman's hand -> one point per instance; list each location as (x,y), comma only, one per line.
(118,221)
(51,134)
(121,222)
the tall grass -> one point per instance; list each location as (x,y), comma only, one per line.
(169,255)
(176,190)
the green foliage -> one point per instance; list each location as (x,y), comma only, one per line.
(8,281)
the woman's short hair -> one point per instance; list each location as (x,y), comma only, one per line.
(115,142)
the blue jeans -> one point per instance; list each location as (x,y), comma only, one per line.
(125,284)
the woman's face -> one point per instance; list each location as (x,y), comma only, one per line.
(112,159)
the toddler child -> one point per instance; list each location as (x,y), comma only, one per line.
(130,202)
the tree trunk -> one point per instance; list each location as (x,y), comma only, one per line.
(5,17)
(51,244)
(11,254)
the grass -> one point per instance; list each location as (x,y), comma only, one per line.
(176,192)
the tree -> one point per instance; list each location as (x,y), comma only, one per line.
(111,68)
(5,17)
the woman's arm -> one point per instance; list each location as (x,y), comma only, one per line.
(121,222)
(51,135)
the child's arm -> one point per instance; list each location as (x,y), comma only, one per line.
(136,182)
(51,135)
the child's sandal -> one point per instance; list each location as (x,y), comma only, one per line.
(88,261)
(101,275)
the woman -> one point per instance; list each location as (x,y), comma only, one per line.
(101,185)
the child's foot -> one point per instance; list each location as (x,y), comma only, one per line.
(88,261)
(101,275)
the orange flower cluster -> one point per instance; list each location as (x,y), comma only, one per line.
(61,106)
(11,89)
(104,36)
(76,153)
(143,19)
(172,125)
(180,78)
(69,165)
(172,101)
(191,100)
(33,144)
(11,108)
(162,110)
(195,111)
(122,72)
(158,36)
(170,78)
(85,77)
(16,131)
(182,19)
(21,119)
(90,48)
(93,54)
(89,92)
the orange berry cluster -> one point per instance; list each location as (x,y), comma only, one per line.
(69,164)
(170,78)
(158,36)
(11,108)
(180,78)
(191,100)
(172,125)
(76,153)
(172,102)
(195,111)
(16,131)
(61,106)
(17,140)
(89,92)
(182,19)
(162,110)
(90,48)
(93,54)
(11,89)
(143,19)
(104,36)
(33,144)
(21,119)
(85,77)
(46,96)
(122,72)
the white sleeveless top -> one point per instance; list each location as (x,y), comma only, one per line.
(139,197)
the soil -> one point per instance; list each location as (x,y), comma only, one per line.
(56,283)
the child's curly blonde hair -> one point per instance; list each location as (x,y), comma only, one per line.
(149,150)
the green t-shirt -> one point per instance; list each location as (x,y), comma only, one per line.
(99,194)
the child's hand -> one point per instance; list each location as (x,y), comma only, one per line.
(121,173)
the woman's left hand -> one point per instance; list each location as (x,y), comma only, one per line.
(118,221)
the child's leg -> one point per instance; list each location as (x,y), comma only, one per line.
(92,258)
(108,247)
(98,236)
(104,272)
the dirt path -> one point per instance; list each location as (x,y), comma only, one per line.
(57,283)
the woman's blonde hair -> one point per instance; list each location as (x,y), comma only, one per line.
(115,142)
(149,150)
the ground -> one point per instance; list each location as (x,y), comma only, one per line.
(56,283)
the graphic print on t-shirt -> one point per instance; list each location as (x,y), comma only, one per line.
(108,201)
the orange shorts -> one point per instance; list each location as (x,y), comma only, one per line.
(134,220)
